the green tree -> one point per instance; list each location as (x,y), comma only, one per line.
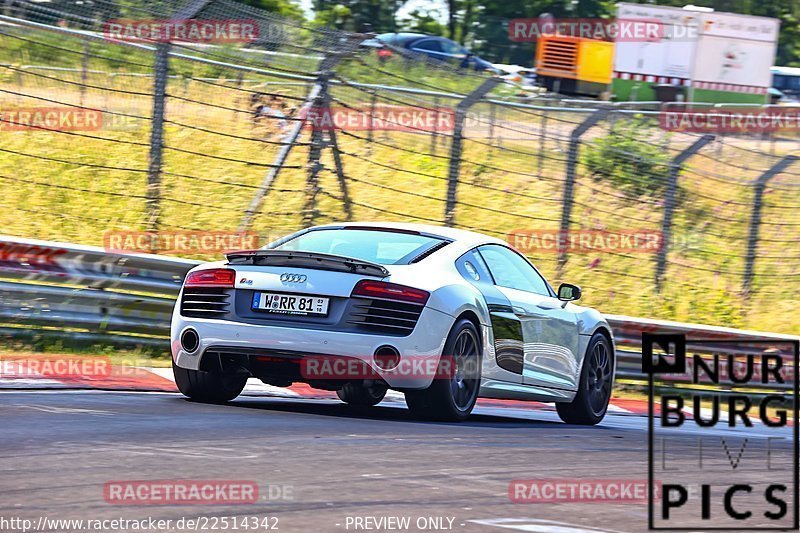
(487,30)
(363,15)
(420,22)
(286,8)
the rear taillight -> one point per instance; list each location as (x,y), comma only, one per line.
(384,53)
(390,291)
(217,277)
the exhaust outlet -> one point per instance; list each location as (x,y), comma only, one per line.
(386,357)
(190,340)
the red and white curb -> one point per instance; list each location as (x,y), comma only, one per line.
(23,373)
(162,380)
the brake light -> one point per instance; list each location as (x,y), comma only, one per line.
(384,53)
(390,291)
(217,277)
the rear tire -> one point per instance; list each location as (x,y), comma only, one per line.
(360,396)
(452,395)
(594,390)
(209,387)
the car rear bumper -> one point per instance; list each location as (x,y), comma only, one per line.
(425,343)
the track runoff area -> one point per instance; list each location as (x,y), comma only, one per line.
(123,451)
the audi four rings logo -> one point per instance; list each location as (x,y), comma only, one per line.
(293,278)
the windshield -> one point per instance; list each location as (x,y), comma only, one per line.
(384,247)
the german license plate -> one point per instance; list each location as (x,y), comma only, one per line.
(290,304)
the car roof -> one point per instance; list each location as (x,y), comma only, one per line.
(464,237)
(789,71)
(404,37)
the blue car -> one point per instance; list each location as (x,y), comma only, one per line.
(438,48)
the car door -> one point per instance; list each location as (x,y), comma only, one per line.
(549,329)
(506,338)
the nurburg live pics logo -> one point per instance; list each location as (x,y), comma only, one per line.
(722,433)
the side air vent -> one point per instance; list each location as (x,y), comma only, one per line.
(385,316)
(205,302)
(429,251)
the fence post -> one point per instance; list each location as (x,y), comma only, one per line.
(157,137)
(373,102)
(326,66)
(337,157)
(435,131)
(503,119)
(455,147)
(283,154)
(160,77)
(84,69)
(755,218)
(315,153)
(542,129)
(492,118)
(569,181)
(675,167)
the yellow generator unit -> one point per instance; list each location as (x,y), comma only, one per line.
(574,64)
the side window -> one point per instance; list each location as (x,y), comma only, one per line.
(449,47)
(472,267)
(427,45)
(511,270)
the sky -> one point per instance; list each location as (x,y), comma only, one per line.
(437,8)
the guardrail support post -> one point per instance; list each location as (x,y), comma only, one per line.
(755,219)
(675,167)
(456,146)
(569,181)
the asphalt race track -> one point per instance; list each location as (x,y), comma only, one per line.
(324,463)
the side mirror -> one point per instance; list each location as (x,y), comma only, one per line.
(569,293)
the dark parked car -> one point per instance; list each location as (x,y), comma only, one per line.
(438,48)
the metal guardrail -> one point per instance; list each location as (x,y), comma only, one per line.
(716,340)
(87,293)
(71,291)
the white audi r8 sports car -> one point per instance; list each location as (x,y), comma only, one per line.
(443,315)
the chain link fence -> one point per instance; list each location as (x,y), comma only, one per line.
(295,125)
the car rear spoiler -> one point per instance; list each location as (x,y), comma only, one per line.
(315,260)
